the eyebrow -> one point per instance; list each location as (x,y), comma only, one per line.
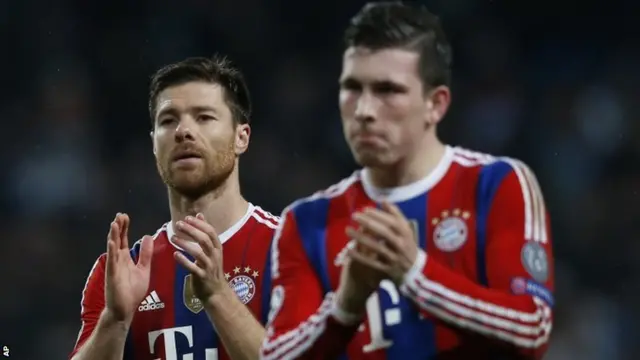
(196,109)
(372,82)
(200,109)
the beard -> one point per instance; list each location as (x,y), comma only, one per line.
(208,176)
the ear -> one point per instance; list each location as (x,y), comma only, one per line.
(436,104)
(243,133)
(153,142)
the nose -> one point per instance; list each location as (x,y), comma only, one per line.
(183,132)
(365,108)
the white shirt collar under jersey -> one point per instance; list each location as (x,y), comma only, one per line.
(409,191)
(226,235)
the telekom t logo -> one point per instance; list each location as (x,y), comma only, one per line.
(170,343)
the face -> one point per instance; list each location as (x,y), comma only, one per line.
(383,105)
(195,140)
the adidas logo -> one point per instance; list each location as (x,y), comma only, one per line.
(151,302)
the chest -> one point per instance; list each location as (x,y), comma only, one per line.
(172,320)
(446,225)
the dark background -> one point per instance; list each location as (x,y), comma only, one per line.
(552,83)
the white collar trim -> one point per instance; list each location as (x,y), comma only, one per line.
(409,191)
(226,235)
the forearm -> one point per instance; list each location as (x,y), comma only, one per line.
(107,340)
(240,332)
(325,334)
(519,321)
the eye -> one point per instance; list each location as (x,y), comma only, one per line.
(166,121)
(206,117)
(386,88)
(350,85)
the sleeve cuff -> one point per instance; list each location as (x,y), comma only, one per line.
(417,268)
(343,317)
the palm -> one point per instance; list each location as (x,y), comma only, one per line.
(128,285)
(358,282)
(362,275)
(126,281)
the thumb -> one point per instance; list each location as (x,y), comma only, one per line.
(146,252)
(392,209)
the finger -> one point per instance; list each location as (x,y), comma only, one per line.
(202,224)
(146,252)
(367,261)
(124,231)
(386,218)
(112,252)
(198,235)
(193,249)
(368,246)
(353,243)
(397,227)
(373,226)
(114,231)
(392,209)
(189,265)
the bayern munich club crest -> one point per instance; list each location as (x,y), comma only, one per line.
(243,283)
(451,230)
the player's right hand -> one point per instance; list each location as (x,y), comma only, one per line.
(126,282)
(357,283)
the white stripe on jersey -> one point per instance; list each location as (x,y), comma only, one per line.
(534,336)
(296,341)
(265,217)
(331,192)
(535,212)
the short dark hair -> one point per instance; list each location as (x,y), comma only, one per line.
(381,25)
(215,70)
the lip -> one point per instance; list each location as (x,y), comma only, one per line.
(187,161)
(186,155)
(368,138)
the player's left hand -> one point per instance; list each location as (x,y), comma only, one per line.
(208,274)
(386,240)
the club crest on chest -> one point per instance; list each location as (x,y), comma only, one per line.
(243,282)
(450,229)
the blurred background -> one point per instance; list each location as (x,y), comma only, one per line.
(537,80)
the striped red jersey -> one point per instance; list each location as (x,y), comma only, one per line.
(170,323)
(481,287)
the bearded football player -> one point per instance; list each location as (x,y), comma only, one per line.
(171,295)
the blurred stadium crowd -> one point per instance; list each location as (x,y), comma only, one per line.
(538,80)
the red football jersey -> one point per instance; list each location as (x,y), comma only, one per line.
(170,323)
(481,287)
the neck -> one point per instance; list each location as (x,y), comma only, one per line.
(410,169)
(221,207)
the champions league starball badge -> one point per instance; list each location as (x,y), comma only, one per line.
(535,261)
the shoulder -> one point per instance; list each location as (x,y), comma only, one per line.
(491,168)
(265,218)
(98,267)
(317,204)
(160,233)
(512,176)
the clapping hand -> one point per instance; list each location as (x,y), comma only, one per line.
(205,247)
(386,241)
(126,282)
